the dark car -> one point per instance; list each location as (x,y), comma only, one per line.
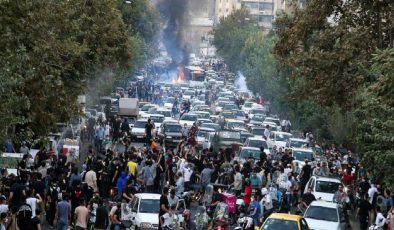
(170,134)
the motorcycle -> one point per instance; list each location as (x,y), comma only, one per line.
(245,223)
(221,217)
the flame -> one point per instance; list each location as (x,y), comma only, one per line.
(181,74)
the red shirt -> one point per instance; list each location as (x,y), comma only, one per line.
(248,194)
(347,179)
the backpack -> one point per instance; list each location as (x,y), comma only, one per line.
(23,217)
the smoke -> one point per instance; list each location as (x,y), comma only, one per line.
(240,82)
(175,13)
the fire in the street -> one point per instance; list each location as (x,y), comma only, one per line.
(181,75)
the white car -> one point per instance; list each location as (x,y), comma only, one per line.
(138,130)
(272,125)
(188,119)
(202,135)
(188,94)
(145,108)
(324,215)
(145,209)
(257,131)
(257,143)
(323,187)
(297,143)
(302,154)
(273,120)
(202,114)
(235,125)
(279,139)
(169,103)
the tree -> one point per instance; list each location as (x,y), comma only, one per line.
(49,50)
(375,130)
(329,45)
(230,36)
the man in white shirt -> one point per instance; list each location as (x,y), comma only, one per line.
(33,202)
(266,203)
(267,132)
(3,204)
(371,193)
(91,179)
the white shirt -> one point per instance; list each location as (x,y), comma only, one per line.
(266,202)
(371,192)
(380,220)
(32,201)
(267,133)
(3,208)
(187,173)
(166,219)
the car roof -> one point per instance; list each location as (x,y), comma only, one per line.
(250,148)
(148,196)
(284,133)
(303,149)
(236,121)
(143,120)
(330,179)
(156,115)
(256,139)
(258,127)
(206,129)
(298,139)
(285,216)
(322,203)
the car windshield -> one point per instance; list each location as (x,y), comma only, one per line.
(327,186)
(322,213)
(257,111)
(157,119)
(210,125)
(272,223)
(203,115)
(230,136)
(202,134)
(189,93)
(247,153)
(282,137)
(149,206)
(146,107)
(188,117)
(173,128)
(228,115)
(170,100)
(164,113)
(229,106)
(140,124)
(239,113)
(259,132)
(236,125)
(257,118)
(248,104)
(302,155)
(257,144)
(297,144)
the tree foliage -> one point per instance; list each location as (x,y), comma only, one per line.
(49,50)
(375,133)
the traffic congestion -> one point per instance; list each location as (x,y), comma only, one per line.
(191,151)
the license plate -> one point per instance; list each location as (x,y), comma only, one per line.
(140,136)
(176,140)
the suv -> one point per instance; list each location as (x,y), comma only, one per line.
(325,215)
(170,134)
(323,187)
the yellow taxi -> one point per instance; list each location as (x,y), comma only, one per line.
(284,221)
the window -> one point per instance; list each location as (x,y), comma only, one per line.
(304,225)
(266,6)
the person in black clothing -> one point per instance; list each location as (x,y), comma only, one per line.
(307,198)
(102,220)
(148,132)
(164,204)
(305,175)
(35,221)
(363,212)
(125,127)
(263,155)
